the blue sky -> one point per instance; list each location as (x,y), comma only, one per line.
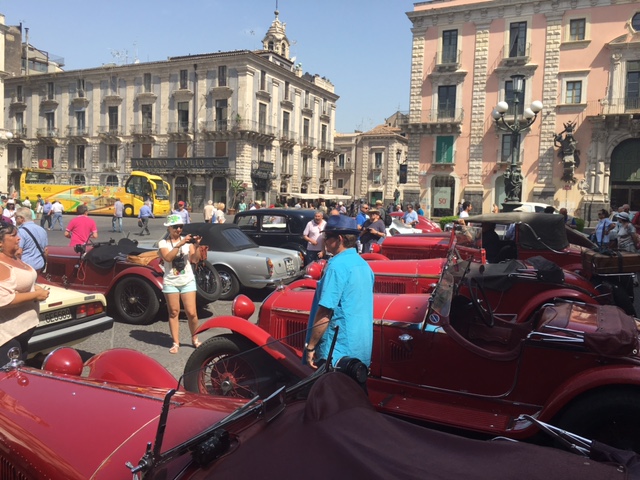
(362,46)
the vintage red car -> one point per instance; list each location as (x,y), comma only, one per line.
(425,224)
(454,358)
(536,234)
(131,282)
(127,418)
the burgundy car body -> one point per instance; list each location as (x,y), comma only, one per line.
(139,304)
(453,369)
(424,224)
(126,419)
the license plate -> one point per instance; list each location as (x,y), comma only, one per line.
(288,263)
(57,316)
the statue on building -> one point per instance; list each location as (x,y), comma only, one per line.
(568,153)
(513,183)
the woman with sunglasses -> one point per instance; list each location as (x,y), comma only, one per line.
(178,252)
(19,295)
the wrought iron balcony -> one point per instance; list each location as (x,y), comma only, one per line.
(144,129)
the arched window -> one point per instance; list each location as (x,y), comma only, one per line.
(443,191)
(79,180)
(321,189)
(112,181)
(270,47)
(303,188)
(283,187)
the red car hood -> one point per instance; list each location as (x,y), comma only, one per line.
(84,429)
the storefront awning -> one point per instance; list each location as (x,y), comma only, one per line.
(318,196)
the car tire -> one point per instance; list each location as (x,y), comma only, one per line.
(228,365)
(230,284)
(135,301)
(610,416)
(208,282)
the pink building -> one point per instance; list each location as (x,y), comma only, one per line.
(580,58)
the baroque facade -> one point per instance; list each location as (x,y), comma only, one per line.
(199,121)
(581,58)
(372,165)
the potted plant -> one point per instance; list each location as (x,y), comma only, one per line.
(237,187)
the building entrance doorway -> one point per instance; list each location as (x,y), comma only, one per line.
(625,175)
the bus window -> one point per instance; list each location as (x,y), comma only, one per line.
(39,178)
(162,192)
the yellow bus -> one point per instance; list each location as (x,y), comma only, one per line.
(140,186)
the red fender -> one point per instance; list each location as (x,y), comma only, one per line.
(143,272)
(589,380)
(130,367)
(303,283)
(283,354)
(374,256)
(543,297)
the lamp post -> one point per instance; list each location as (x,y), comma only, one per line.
(513,176)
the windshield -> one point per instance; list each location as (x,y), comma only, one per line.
(161,192)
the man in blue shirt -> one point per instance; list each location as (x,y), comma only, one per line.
(143,216)
(411,217)
(343,298)
(183,212)
(118,213)
(33,240)
(362,215)
(46,214)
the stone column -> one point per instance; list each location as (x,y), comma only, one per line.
(544,189)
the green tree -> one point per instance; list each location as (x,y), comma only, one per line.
(238,187)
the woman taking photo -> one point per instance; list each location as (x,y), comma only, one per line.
(178,253)
(19,295)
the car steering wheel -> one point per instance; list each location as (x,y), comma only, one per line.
(479,299)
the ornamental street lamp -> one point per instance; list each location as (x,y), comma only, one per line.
(513,176)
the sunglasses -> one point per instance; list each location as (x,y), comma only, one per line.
(176,227)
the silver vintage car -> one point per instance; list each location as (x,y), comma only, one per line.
(240,262)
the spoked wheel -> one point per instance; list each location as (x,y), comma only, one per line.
(609,416)
(135,301)
(208,282)
(230,284)
(228,366)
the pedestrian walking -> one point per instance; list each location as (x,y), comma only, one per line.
(56,211)
(209,211)
(143,218)
(33,240)
(82,228)
(39,207)
(46,214)
(220,218)
(10,211)
(183,212)
(118,213)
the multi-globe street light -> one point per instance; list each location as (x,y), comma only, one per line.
(513,175)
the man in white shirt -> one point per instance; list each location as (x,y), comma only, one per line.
(314,237)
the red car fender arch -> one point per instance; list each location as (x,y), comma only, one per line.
(536,301)
(287,356)
(588,381)
(143,272)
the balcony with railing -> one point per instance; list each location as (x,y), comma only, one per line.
(306,174)
(49,132)
(448,59)
(287,137)
(179,128)
(437,120)
(325,146)
(515,55)
(19,133)
(110,130)
(307,142)
(324,175)
(18,102)
(286,171)
(614,106)
(144,129)
(77,132)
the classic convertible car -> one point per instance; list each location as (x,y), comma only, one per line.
(129,276)
(240,262)
(536,234)
(154,430)
(67,317)
(450,358)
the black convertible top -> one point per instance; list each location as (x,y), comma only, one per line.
(536,231)
(220,237)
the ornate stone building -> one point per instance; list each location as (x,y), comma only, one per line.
(372,165)
(581,58)
(200,121)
